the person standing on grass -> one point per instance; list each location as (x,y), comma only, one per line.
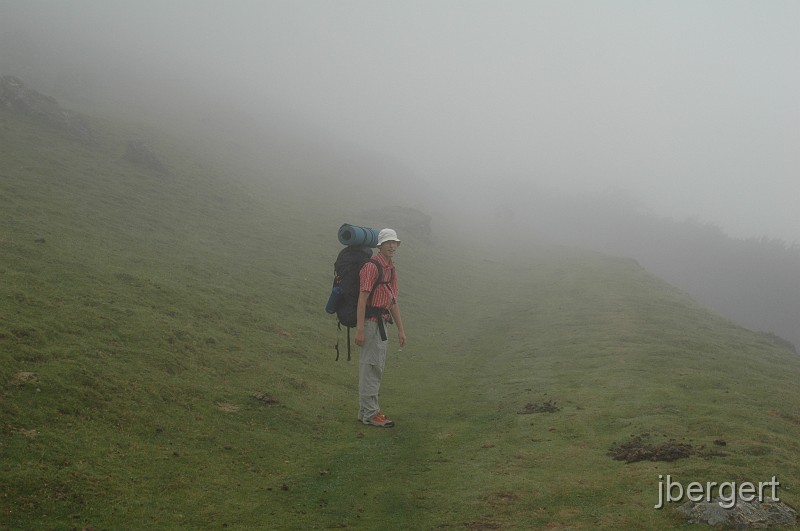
(371,327)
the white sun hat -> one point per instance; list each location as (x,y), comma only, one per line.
(386,235)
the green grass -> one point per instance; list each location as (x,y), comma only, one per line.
(141,313)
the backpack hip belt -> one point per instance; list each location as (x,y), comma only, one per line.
(382,316)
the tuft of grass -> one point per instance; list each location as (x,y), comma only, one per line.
(166,363)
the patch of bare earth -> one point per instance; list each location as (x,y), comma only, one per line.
(482,526)
(26,433)
(265,398)
(25,377)
(639,448)
(548,406)
(227,407)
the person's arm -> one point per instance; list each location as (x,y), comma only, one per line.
(361,315)
(394,309)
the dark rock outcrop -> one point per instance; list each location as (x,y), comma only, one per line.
(743,515)
(15,96)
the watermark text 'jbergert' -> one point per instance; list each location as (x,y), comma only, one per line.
(728,492)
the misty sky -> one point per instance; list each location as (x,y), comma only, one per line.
(693,106)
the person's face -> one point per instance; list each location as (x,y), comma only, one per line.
(388,248)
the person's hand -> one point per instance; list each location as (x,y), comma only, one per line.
(360,338)
(401,337)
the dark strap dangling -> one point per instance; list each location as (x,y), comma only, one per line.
(336,346)
(382,328)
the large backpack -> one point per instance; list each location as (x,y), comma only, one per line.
(346,283)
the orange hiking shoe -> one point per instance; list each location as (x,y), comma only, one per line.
(379,420)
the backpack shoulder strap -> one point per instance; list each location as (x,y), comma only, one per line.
(378,278)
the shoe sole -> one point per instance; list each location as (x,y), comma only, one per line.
(389,424)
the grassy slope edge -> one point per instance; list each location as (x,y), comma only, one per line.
(141,315)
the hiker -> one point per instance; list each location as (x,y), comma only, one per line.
(371,327)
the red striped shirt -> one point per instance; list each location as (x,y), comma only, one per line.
(385,294)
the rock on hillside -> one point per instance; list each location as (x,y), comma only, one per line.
(141,154)
(756,514)
(15,96)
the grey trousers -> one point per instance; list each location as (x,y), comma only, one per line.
(370,370)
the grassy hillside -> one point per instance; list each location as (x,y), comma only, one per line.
(166,363)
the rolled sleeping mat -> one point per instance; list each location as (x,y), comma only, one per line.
(358,236)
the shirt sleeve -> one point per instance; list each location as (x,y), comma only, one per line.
(367,276)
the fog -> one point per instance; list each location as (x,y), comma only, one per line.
(690,107)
